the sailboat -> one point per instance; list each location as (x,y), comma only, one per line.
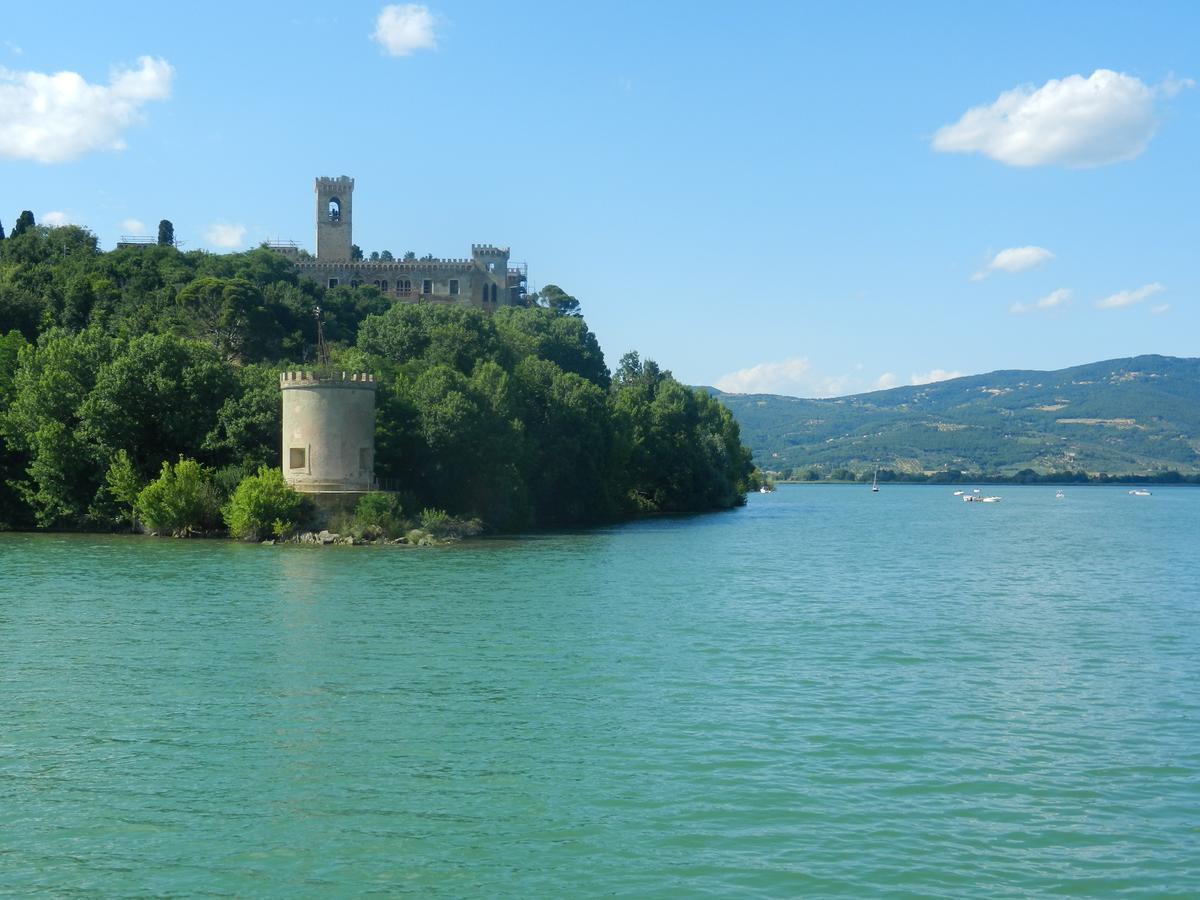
(875,481)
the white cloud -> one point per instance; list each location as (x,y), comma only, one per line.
(59,117)
(1074,121)
(1014,259)
(1160,309)
(934,375)
(402,28)
(791,377)
(1129,298)
(54,219)
(1053,299)
(885,381)
(221,234)
(133,226)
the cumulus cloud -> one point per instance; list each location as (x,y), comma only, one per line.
(794,377)
(222,234)
(1053,299)
(54,219)
(1014,259)
(1129,298)
(133,226)
(1075,122)
(52,118)
(885,381)
(402,28)
(934,375)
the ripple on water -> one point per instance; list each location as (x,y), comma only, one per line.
(827,692)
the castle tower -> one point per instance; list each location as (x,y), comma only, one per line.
(328,431)
(335,215)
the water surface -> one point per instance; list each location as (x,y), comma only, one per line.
(826,692)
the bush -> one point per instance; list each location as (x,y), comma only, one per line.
(440,524)
(379,515)
(182,500)
(263,505)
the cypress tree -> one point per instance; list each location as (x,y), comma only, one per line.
(166,233)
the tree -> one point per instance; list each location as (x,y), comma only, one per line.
(409,255)
(166,233)
(555,298)
(24,223)
(356,252)
(181,500)
(374,256)
(386,256)
(262,505)
(1,231)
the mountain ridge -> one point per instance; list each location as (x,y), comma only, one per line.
(1130,415)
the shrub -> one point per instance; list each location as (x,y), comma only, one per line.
(263,505)
(123,483)
(380,515)
(181,500)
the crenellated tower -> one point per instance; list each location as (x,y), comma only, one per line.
(335,216)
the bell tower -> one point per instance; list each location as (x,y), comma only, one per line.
(335,213)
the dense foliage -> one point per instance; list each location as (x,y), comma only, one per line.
(116,365)
(1138,416)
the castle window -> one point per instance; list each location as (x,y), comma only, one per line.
(335,210)
(403,286)
(493,293)
(333,282)
(296,458)
(491,267)
(427,286)
(354,282)
(454,286)
(383,285)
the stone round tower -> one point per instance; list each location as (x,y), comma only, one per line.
(328,431)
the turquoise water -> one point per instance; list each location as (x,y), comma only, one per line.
(826,692)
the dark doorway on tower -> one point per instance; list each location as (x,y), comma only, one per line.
(335,210)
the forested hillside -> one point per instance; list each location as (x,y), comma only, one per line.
(1123,416)
(112,364)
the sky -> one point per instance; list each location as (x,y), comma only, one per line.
(811,199)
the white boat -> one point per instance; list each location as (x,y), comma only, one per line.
(875,481)
(1140,493)
(958,493)
(989,499)
(1059,495)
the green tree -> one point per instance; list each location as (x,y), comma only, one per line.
(181,500)
(24,223)
(230,315)
(124,484)
(166,233)
(263,505)
(356,252)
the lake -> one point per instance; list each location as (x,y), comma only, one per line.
(827,692)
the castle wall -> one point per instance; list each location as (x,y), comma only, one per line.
(328,431)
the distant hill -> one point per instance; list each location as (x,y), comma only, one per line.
(1121,416)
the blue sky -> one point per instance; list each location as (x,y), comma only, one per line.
(812,199)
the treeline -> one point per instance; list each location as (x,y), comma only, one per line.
(1024,476)
(146,355)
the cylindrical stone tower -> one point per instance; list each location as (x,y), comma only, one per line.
(328,431)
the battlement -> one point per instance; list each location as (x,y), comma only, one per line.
(488,250)
(361,380)
(341,182)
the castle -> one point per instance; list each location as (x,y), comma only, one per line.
(485,281)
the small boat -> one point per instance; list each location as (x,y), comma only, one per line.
(875,481)
(958,493)
(763,489)
(1059,495)
(1140,493)
(989,499)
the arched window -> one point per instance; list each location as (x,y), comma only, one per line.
(493,293)
(403,286)
(383,285)
(335,209)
